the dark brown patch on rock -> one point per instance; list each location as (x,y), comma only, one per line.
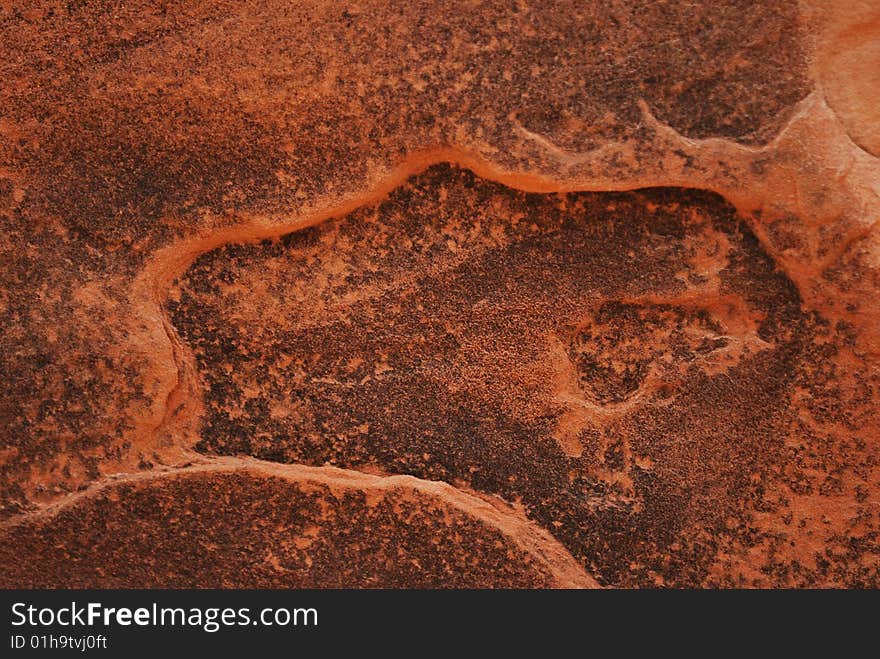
(124,128)
(130,128)
(452,332)
(241,530)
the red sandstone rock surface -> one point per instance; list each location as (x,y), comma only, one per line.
(440,295)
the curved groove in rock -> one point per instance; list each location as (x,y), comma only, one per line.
(747,194)
(176,428)
(812,180)
(491,511)
(724,167)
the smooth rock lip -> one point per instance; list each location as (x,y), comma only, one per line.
(245,524)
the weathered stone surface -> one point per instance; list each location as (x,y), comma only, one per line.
(465,242)
(245,528)
(629,366)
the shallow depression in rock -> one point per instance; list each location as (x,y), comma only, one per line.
(590,356)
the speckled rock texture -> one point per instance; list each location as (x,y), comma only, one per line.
(435,294)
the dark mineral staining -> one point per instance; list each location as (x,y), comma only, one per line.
(244,530)
(429,335)
(129,126)
(623,342)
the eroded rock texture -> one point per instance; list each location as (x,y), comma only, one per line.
(491,294)
(245,530)
(624,365)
